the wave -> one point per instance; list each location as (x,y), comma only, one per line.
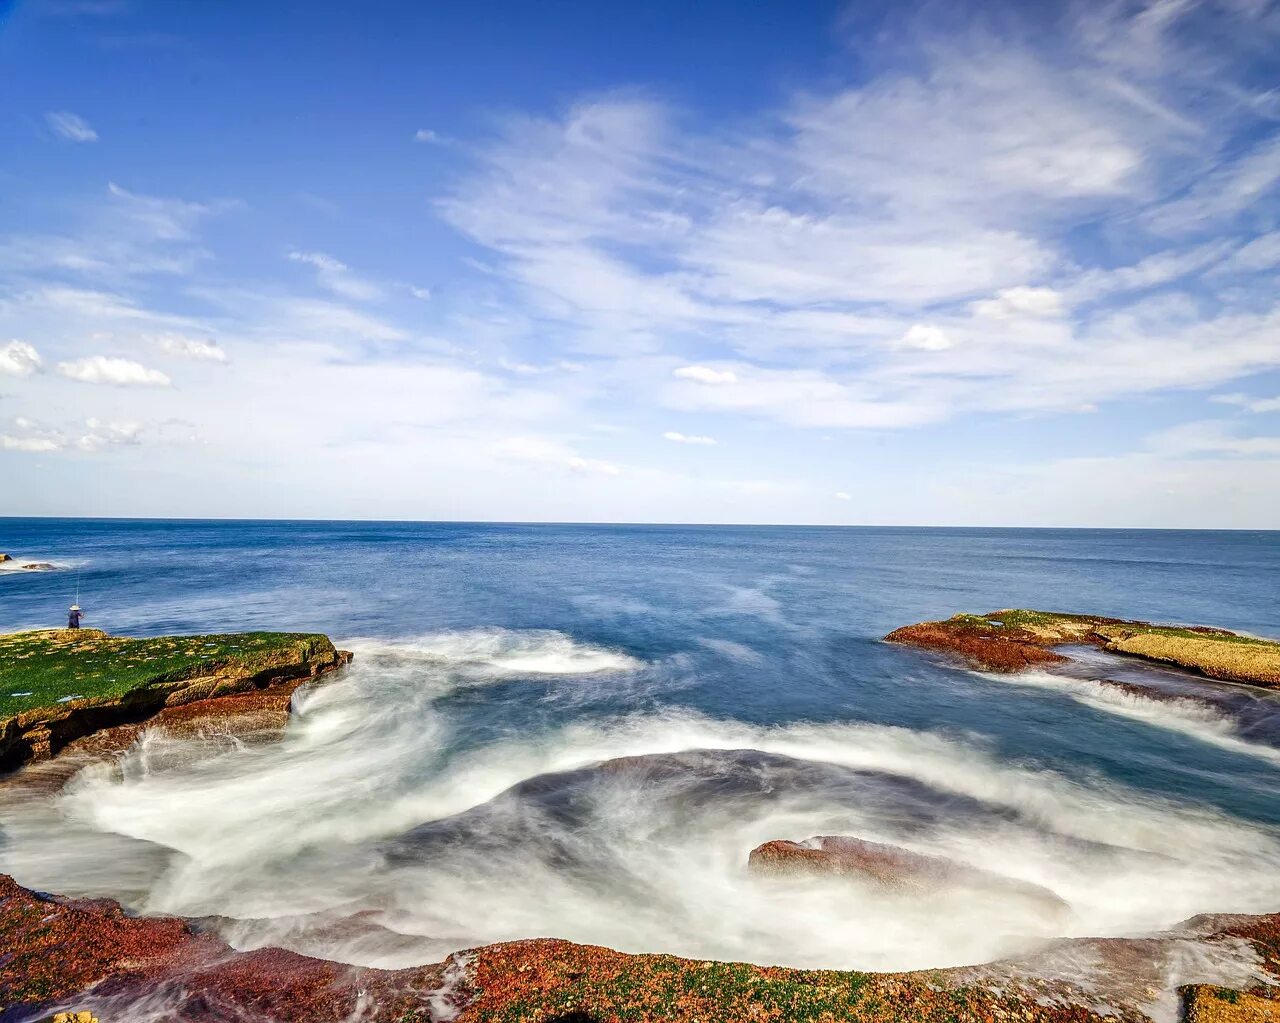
(503,653)
(47,565)
(1189,716)
(384,830)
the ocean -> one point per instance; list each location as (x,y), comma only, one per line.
(460,782)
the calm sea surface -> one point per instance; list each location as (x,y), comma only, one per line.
(448,787)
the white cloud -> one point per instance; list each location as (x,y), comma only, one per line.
(424,294)
(805,398)
(840,495)
(1011,303)
(425,135)
(70,126)
(29,444)
(926,338)
(105,434)
(548,452)
(161,219)
(335,276)
(685,438)
(707,375)
(1249,404)
(1223,193)
(1263,253)
(18,359)
(106,369)
(195,348)
(1212,436)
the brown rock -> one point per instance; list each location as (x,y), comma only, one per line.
(90,951)
(988,647)
(887,865)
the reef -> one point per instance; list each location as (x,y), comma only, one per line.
(82,956)
(1015,639)
(59,686)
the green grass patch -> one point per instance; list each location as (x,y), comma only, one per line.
(42,669)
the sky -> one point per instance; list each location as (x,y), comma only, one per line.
(795,262)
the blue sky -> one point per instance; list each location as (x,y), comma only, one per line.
(723,262)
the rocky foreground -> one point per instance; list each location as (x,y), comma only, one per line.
(63,955)
(1015,639)
(61,685)
(60,955)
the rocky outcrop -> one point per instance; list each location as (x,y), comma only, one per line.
(5,557)
(889,866)
(68,955)
(38,566)
(1012,640)
(261,683)
(62,955)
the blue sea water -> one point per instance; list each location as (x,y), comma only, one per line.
(492,657)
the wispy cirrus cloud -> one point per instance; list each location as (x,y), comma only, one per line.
(335,276)
(69,126)
(931,242)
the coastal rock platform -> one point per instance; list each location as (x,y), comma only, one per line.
(1015,639)
(61,685)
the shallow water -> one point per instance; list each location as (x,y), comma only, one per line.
(447,790)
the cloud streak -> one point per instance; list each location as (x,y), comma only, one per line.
(69,126)
(115,371)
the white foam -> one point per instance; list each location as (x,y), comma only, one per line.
(1190,717)
(265,835)
(16,565)
(502,653)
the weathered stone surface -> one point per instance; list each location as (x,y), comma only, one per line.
(1014,639)
(887,865)
(89,956)
(260,684)
(61,955)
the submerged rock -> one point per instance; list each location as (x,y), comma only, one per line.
(38,566)
(887,865)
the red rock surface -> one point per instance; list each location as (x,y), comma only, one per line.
(67,954)
(888,865)
(987,647)
(59,955)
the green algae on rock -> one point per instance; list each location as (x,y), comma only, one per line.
(58,685)
(1014,639)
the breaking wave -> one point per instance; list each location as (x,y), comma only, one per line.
(1189,716)
(387,829)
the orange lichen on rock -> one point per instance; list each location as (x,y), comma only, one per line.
(1204,1003)
(982,645)
(1014,639)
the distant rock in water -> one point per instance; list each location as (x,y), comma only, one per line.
(39,566)
(887,865)
(1015,639)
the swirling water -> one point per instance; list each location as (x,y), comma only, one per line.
(460,783)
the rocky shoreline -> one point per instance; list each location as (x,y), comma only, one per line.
(1015,639)
(66,955)
(176,681)
(63,955)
